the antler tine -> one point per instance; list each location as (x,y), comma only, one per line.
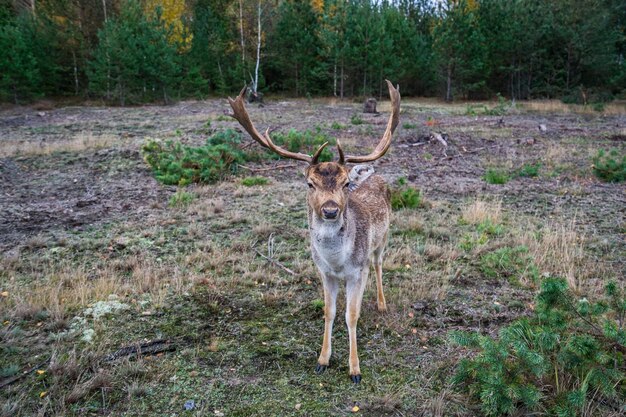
(385,141)
(241,114)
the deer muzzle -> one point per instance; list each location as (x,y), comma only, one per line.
(330,210)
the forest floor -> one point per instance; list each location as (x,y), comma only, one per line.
(96,257)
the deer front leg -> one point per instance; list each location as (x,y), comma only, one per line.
(330,309)
(354,295)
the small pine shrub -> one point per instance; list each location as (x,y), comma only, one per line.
(305,142)
(567,355)
(529,170)
(500,109)
(405,197)
(509,263)
(337,126)
(252,181)
(176,164)
(409,125)
(181,199)
(496,176)
(356,119)
(610,167)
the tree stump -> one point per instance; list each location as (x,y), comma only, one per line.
(370,106)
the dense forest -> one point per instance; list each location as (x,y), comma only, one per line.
(133,51)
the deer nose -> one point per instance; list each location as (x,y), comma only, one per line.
(330,213)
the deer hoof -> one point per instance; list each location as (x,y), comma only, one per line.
(319,369)
(356,378)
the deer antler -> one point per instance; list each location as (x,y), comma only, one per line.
(385,142)
(241,114)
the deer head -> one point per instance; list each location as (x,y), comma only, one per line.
(328,181)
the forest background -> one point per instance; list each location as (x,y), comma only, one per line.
(136,51)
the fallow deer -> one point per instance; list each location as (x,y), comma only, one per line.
(348,227)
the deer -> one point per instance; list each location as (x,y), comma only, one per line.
(348,227)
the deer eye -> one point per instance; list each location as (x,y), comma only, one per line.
(347,185)
(311,185)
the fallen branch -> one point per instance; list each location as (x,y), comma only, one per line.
(275,262)
(8,381)
(149,348)
(268,169)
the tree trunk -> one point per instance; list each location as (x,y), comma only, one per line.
(255,85)
(243,44)
(335,79)
(341,80)
(104,9)
(449,83)
(75,73)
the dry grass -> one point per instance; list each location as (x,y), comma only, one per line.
(559,251)
(65,286)
(81,142)
(480,211)
(556,106)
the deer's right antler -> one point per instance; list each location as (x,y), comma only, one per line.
(385,141)
(241,114)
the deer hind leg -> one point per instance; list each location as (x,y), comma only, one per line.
(330,308)
(354,296)
(377,260)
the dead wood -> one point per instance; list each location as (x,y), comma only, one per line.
(275,262)
(149,348)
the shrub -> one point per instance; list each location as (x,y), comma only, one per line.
(176,164)
(356,119)
(496,176)
(529,170)
(337,126)
(252,181)
(610,167)
(181,199)
(405,198)
(509,263)
(568,354)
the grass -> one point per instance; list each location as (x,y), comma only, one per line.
(496,176)
(78,143)
(189,273)
(254,181)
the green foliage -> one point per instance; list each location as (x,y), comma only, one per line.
(9,370)
(181,199)
(568,354)
(610,167)
(356,119)
(337,126)
(253,181)
(499,109)
(176,164)
(529,170)
(409,125)
(19,73)
(318,304)
(496,176)
(404,196)
(464,48)
(134,61)
(305,142)
(509,263)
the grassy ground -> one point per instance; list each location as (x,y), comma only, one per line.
(97,256)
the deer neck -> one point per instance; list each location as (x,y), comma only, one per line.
(332,242)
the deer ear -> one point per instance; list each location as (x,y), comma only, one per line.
(342,159)
(318,153)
